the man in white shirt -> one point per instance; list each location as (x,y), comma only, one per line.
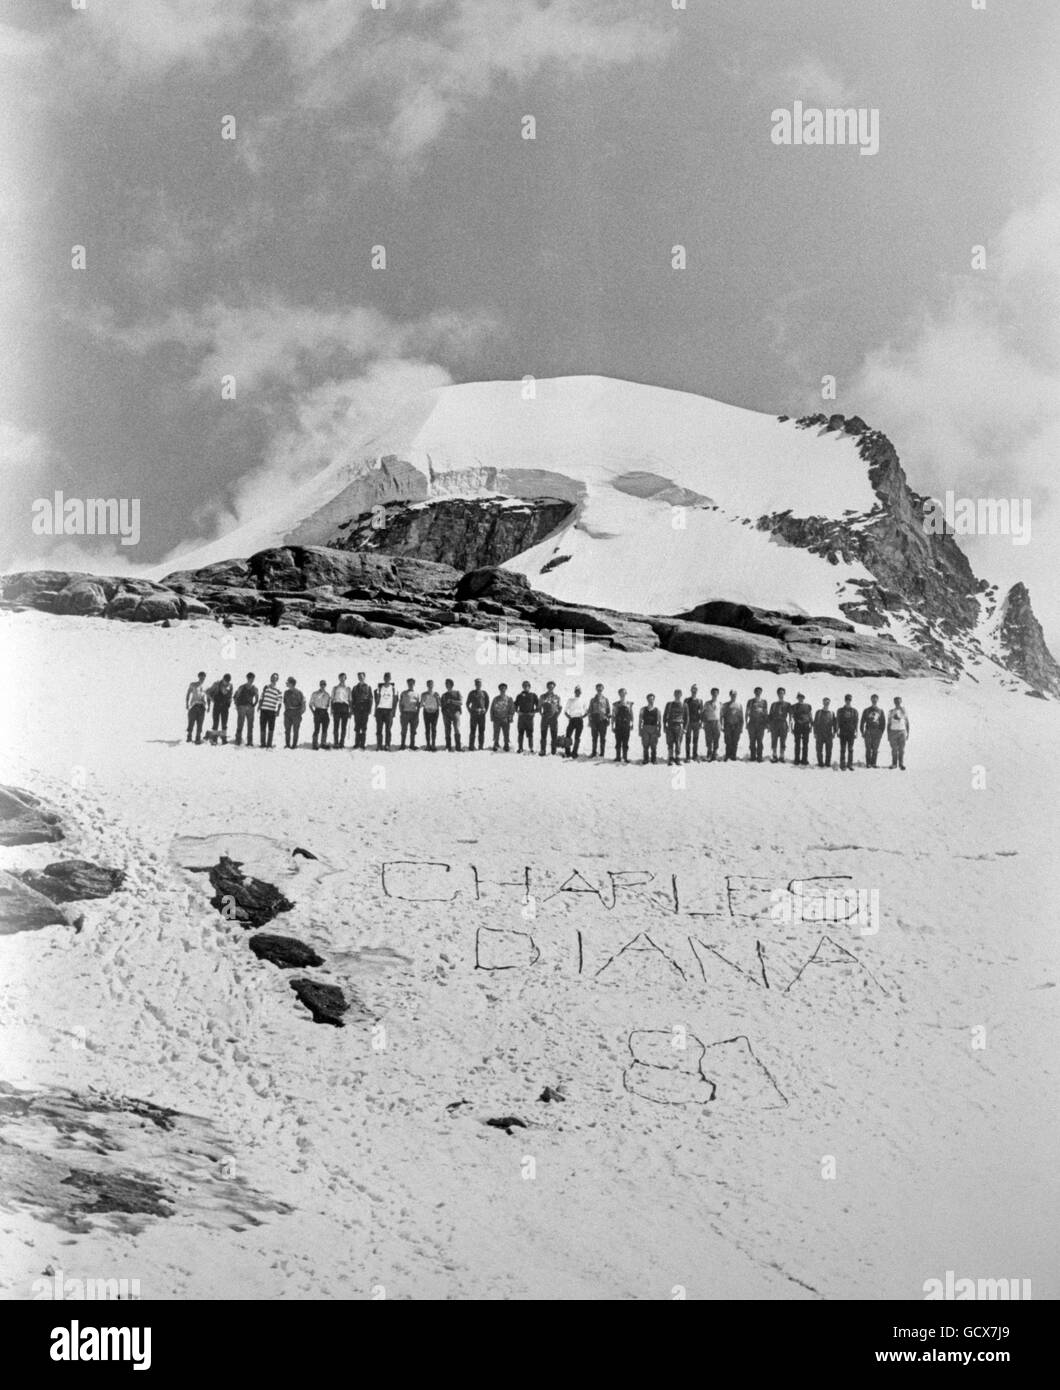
(385,704)
(898,732)
(319,703)
(341,698)
(575,710)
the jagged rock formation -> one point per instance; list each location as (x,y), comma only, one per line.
(1022,643)
(918,574)
(462,532)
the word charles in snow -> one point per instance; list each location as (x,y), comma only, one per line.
(832,125)
(822,899)
(87,516)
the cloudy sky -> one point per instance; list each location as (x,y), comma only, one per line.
(402,125)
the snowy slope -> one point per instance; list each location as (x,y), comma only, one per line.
(943,1150)
(609,438)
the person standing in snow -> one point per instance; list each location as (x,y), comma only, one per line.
(599,719)
(320,704)
(293,709)
(220,694)
(478,702)
(898,732)
(846,724)
(430,704)
(269,706)
(674,724)
(693,724)
(801,724)
(732,725)
(452,703)
(622,713)
(873,723)
(575,710)
(246,699)
(409,707)
(526,704)
(712,724)
(779,720)
(649,726)
(551,704)
(824,733)
(341,699)
(385,704)
(501,711)
(195,702)
(757,719)
(361,707)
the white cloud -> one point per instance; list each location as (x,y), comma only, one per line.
(21,451)
(324,431)
(810,80)
(395,76)
(293,345)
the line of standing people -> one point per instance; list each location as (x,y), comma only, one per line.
(682,721)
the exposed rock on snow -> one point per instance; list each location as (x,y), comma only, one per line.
(326,1003)
(249,901)
(91,1162)
(462,532)
(24,909)
(285,951)
(69,880)
(25,819)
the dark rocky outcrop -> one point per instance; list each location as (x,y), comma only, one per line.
(24,909)
(249,901)
(119,1192)
(465,533)
(916,571)
(71,880)
(502,586)
(301,569)
(326,1003)
(26,820)
(804,646)
(99,596)
(285,951)
(1022,642)
(729,646)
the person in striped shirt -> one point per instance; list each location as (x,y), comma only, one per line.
(268,708)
